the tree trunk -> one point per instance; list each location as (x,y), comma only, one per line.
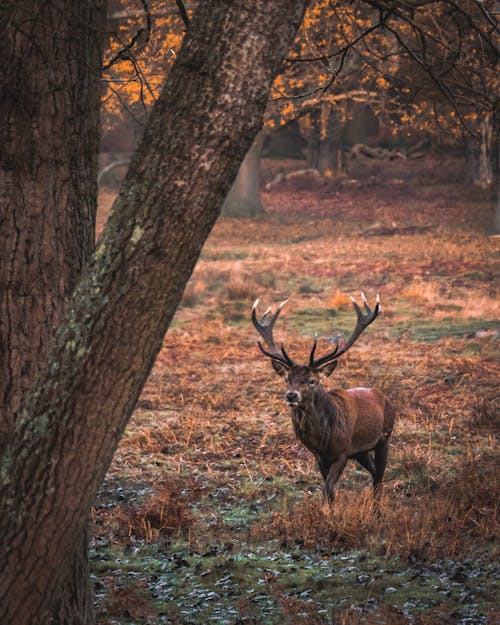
(496,218)
(48,161)
(324,148)
(49,137)
(199,130)
(486,154)
(361,125)
(481,154)
(75,598)
(243,200)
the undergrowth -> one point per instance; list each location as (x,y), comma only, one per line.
(212,512)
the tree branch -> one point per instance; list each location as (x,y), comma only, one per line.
(183,12)
(125,53)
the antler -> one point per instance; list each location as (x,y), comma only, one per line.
(362,323)
(265,328)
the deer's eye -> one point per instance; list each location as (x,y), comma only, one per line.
(312,382)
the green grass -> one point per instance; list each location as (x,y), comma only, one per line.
(245,581)
(431,330)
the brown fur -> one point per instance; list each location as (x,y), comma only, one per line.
(334,425)
(339,424)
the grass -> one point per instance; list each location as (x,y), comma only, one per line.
(213,513)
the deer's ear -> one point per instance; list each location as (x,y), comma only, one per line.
(327,370)
(279,367)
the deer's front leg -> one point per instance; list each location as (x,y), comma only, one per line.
(334,472)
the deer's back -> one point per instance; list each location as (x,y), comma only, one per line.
(371,416)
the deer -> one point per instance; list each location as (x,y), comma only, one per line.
(335,425)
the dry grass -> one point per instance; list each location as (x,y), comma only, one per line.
(129,602)
(212,423)
(420,291)
(156,518)
(388,615)
(338,301)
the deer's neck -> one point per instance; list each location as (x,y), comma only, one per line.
(315,421)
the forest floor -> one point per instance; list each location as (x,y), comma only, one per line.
(212,512)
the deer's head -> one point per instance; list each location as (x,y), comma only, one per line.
(303,380)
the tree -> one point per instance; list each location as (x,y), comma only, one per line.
(69,407)
(243,200)
(49,133)
(140,48)
(422,69)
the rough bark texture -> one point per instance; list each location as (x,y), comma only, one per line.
(199,130)
(243,200)
(48,150)
(496,216)
(49,140)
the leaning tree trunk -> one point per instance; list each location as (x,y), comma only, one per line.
(243,200)
(48,162)
(199,130)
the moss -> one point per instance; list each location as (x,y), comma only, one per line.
(137,234)
(216,586)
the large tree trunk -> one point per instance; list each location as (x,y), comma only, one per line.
(49,141)
(49,119)
(243,200)
(72,420)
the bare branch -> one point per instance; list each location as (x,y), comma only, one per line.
(183,12)
(125,53)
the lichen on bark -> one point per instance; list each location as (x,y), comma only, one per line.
(113,326)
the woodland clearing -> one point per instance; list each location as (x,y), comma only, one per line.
(213,513)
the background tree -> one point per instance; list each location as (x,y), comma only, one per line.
(420,66)
(140,48)
(424,70)
(243,200)
(64,418)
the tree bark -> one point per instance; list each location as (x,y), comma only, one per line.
(199,130)
(324,148)
(481,155)
(49,120)
(243,200)
(496,217)
(486,154)
(49,137)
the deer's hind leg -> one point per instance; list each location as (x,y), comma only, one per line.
(381,449)
(366,461)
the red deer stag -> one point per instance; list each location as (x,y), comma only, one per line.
(334,425)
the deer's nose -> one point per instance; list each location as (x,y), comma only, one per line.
(292,397)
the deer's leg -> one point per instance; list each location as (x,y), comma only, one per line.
(324,467)
(366,461)
(334,473)
(381,450)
